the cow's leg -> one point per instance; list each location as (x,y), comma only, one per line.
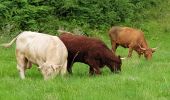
(91,71)
(139,55)
(64,68)
(114,46)
(97,70)
(94,66)
(21,66)
(69,67)
(29,64)
(130,50)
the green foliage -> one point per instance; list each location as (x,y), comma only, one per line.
(40,15)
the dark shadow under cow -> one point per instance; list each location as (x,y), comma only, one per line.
(90,51)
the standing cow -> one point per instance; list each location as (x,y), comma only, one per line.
(90,51)
(132,39)
(46,51)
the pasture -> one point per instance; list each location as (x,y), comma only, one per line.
(139,79)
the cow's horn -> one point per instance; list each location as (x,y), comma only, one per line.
(142,48)
(123,58)
(154,48)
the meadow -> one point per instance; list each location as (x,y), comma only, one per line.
(139,79)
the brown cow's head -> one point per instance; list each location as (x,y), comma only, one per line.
(116,65)
(148,52)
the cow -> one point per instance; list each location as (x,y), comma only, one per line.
(46,51)
(130,38)
(91,51)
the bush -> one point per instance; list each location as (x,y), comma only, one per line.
(45,15)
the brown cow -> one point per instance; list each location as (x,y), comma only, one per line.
(90,51)
(130,38)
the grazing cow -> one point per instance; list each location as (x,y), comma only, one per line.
(46,51)
(90,51)
(132,39)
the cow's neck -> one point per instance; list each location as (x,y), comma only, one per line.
(144,44)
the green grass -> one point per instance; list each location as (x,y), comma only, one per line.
(139,79)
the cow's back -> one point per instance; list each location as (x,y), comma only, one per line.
(80,43)
(32,43)
(125,35)
(83,46)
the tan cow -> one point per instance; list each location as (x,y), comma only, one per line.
(46,51)
(130,38)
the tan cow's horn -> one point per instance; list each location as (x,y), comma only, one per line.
(142,48)
(154,48)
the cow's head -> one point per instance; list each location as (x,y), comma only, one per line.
(116,65)
(147,52)
(49,70)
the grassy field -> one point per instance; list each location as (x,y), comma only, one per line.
(139,79)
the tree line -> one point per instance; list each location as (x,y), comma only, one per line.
(49,15)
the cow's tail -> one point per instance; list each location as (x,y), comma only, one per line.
(7,45)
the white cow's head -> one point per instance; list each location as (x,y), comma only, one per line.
(49,70)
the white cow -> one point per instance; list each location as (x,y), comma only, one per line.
(46,51)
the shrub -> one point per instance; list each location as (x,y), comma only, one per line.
(45,15)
